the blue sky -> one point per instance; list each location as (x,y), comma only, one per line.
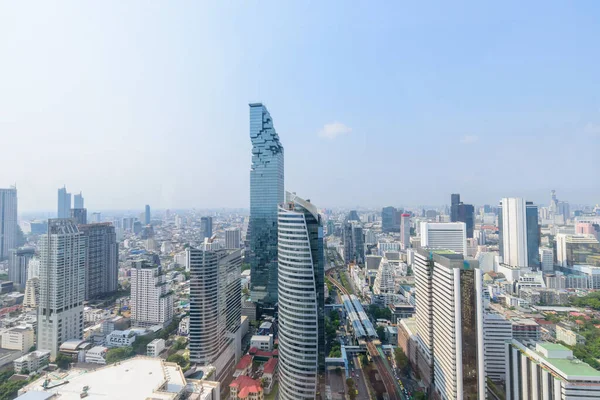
(147,102)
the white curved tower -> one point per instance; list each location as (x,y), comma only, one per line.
(301,299)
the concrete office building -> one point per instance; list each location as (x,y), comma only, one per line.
(151,300)
(215,308)
(577,249)
(449,236)
(101,264)
(232,238)
(18,265)
(301,299)
(8,221)
(547,259)
(449,315)
(405,231)
(496,331)
(266,193)
(64,203)
(548,371)
(62,285)
(519,233)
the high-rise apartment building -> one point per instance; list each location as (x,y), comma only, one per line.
(206,225)
(301,299)
(79,215)
(384,287)
(18,264)
(390,219)
(232,238)
(147,216)
(519,233)
(8,221)
(266,193)
(460,212)
(101,264)
(151,300)
(61,285)
(444,235)
(64,203)
(78,201)
(405,231)
(215,308)
(449,316)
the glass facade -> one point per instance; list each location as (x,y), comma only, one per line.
(266,193)
(533,236)
(301,300)
(469,326)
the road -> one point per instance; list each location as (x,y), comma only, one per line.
(389,381)
(359,378)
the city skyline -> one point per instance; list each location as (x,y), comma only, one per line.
(495,102)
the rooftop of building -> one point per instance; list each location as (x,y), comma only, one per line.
(245,386)
(567,364)
(153,379)
(270,365)
(244,362)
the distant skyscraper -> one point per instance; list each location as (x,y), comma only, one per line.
(353,216)
(354,245)
(215,308)
(390,219)
(79,215)
(64,203)
(18,264)
(448,235)
(449,316)
(330,228)
(460,212)
(101,266)
(519,233)
(8,221)
(301,317)
(206,226)
(151,301)
(147,216)
(62,285)
(232,238)
(78,201)
(405,231)
(266,193)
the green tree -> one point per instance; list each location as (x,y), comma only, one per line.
(119,354)
(419,396)
(364,360)
(351,388)
(380,332)
(400,358)
(177,358)
(63,361)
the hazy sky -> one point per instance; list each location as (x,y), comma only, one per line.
(376,103)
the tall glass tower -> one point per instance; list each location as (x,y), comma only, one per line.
(266,193)
(301,299)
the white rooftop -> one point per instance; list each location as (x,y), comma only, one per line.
(153,378)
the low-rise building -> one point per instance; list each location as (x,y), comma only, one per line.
(548,371)
(32,362)
(569,337)
(246,388)
(525,329)
(270,374)
(96,355)
(75,349)
(262,342)
(120,338)
(155,347)
(18,338)
(401,311)
(244,366)
(184,326)
(391,334)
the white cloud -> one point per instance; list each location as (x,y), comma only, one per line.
(592,129)
(467,139)
(333,130)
